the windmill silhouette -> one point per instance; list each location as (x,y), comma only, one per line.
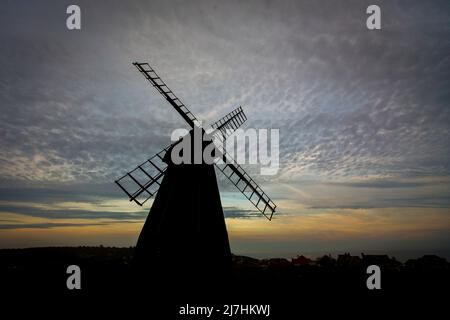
(186,221)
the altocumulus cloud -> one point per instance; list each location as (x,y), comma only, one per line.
(349,103)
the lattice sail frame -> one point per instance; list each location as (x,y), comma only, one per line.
(241,179)
(164,90)
(230,122)
(141,183)
(248,187)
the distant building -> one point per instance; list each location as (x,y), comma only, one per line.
(348,261)
(428,262)
(276,262)
(301,261)
(327,261)
(381,260)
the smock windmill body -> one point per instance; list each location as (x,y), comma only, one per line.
(186,219)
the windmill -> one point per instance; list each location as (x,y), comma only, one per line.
(186,219)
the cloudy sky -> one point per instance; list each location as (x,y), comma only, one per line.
(363,116)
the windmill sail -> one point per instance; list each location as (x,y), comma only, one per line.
(160,85)
(247,186)
(234,172)
(141,183)
(230,122)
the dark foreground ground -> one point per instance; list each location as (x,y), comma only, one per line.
(290,287)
